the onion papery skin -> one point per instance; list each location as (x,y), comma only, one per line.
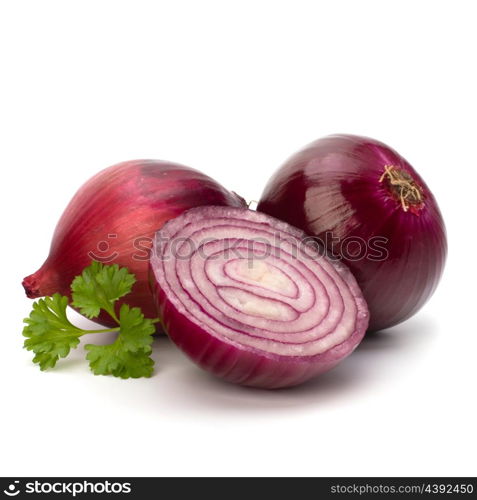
(271,313)
(335,186)
(121,208)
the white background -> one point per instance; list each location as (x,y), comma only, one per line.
(234,88)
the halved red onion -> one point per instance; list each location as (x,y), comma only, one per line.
(249,299)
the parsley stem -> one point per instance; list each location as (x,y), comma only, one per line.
(110,310)
(155,320)
(104,330)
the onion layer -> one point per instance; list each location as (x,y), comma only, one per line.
(112,219)
(371,209)
(249,299)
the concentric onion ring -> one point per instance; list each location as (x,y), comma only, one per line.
(249,299)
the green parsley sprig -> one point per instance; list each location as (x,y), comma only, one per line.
(51,336)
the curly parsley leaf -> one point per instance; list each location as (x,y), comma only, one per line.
(129,355)
(49,333)
(99,286)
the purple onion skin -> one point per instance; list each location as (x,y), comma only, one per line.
(130,200)
(238,363)
(333,185)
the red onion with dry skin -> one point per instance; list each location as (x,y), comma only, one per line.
(246,297)
(113,217)
(351,192)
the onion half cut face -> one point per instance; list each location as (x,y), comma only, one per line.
(251,299)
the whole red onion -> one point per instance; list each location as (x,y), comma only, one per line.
(246,297)
(113,217)
(372,209)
